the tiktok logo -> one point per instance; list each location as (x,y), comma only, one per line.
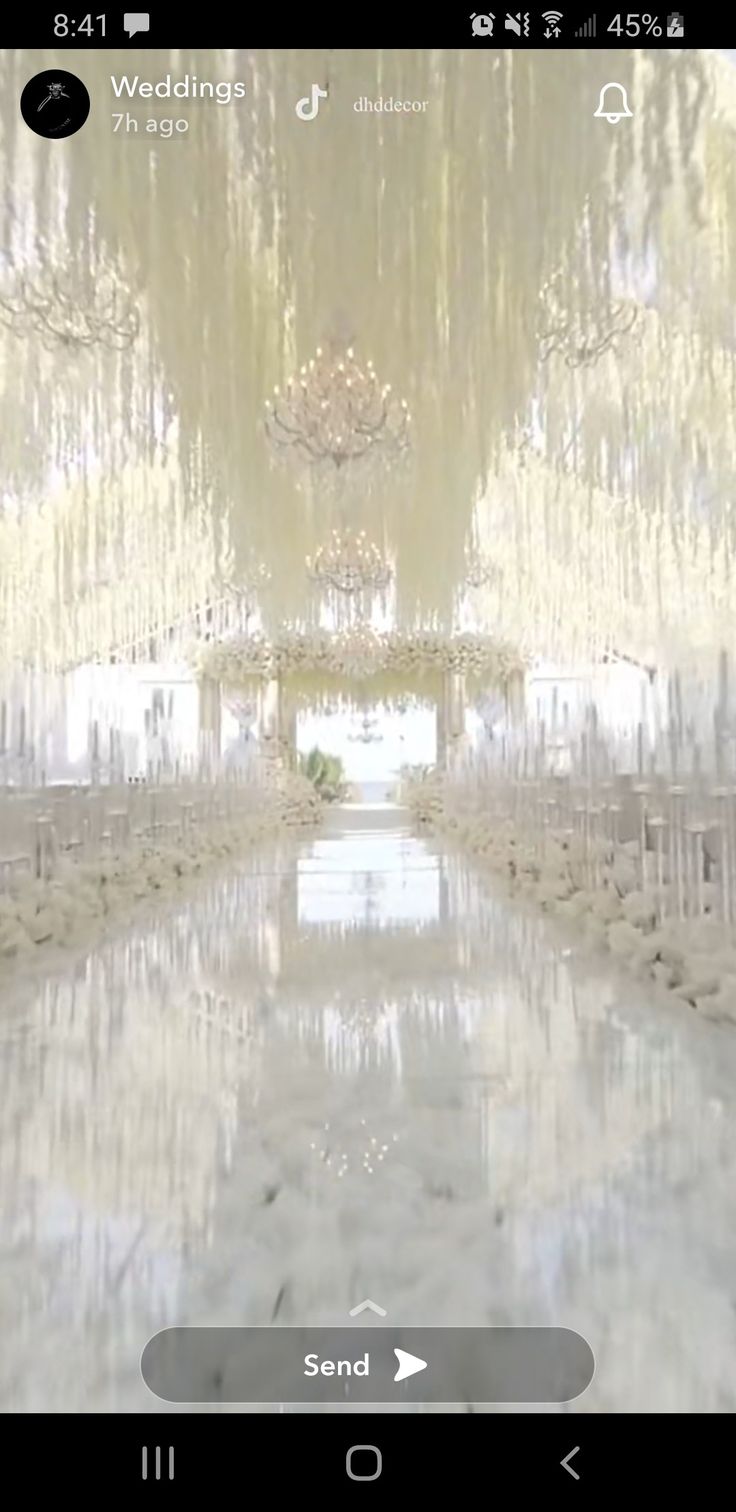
(308,108)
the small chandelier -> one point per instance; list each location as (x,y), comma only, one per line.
(582,337)
(334,413)
(351,564)
(50,306)
(243,588)
(360,651)
(480,570)
(524,444)
(245,710)
(368,735)
(240,594)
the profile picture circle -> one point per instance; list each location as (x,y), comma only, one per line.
(54,103)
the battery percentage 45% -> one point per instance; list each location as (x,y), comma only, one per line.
(636,25)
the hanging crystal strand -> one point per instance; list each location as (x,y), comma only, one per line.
(597,845)
(721,796)
(694,855)
(614,809)
(542,825)
(642,791)
(730,837)
(640,750)
(578,849)
(562,795)
(676,794)
(657,825)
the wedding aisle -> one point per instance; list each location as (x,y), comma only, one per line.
(348,1068)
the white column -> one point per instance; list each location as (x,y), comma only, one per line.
(268,712)
(287,727)
(515,697)
(277,721)
(451,738)
(441,757)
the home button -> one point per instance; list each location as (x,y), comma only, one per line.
(364,1462)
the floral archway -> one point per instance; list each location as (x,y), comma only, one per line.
(360,668)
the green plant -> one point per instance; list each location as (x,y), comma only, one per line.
(326,773)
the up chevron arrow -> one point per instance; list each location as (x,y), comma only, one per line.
(372,1306)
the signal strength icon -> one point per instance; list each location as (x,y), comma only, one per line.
(587,29)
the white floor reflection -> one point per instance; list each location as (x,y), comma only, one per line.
(380,882)
(354,1071)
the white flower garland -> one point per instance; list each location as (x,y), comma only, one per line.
(358,656)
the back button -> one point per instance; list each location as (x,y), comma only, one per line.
(566,1463)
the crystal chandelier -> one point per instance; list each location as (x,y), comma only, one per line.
(243,588)
(48,304)
(240,593)
(359,651)
(245,710)
(582,337)
(350,564)
(480,570)
(524,445)
(334,412)
(490,709)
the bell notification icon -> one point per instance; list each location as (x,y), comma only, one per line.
(613,104)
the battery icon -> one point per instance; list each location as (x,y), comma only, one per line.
(676,25)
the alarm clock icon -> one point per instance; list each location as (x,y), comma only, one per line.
(482,25)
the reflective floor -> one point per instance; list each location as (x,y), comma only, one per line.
(353,1069)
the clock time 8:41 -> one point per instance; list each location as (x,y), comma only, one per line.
(67,26)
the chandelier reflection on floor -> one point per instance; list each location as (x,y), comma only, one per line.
(354,1149)
(97,311)
(334,413)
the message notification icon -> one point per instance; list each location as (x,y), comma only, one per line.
(136,21)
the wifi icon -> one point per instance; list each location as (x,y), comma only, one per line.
(553,19)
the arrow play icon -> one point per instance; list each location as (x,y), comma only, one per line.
(409,1364)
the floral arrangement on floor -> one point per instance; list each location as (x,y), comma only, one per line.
(357,656)
(84,895)
(694,958)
